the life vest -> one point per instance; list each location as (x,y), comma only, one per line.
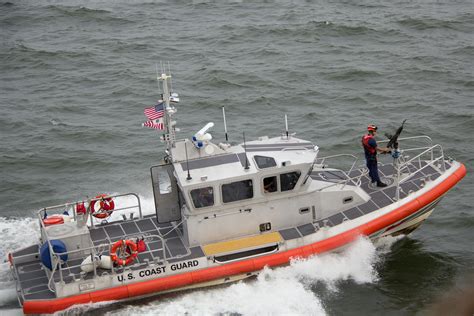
(372,151)
(80,208)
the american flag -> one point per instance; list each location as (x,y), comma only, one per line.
(156,124)
(155,112)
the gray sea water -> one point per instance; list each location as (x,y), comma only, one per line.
(76,76)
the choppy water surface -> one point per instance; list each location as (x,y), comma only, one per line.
(74,80)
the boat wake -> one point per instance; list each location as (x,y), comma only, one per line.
(16,233)
(281,291)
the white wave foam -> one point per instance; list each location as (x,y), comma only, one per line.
(11,312)
(280,291)
(16,234)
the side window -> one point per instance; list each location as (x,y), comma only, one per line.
(289,180)
(236,191)
(264,162)
(203,197)
(270,184)
(164,181)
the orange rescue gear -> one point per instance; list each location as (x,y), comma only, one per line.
(106,206)
(126,246)
(53,220)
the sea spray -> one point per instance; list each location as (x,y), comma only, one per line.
(280,291)
(16,234)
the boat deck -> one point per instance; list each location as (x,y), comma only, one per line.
(33,278)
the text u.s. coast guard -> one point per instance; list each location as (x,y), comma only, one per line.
(157,270)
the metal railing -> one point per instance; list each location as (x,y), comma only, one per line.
(322,163)
(402,165)
(71,207)
(95,252)
(430,154)
(425,155)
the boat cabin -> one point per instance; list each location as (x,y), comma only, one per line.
(225,192)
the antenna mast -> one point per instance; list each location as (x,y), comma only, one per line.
(170,133)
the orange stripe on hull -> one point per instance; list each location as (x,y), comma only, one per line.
(250,265)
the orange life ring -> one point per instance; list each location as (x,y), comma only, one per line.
(53,220)
(106,206)
(126,246)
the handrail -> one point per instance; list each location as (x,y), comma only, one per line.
(420,137)
(345,181)
(296,148)
(95,250)
(17,283)
(57,262)
(404,165)
(417,157)
(323,160)
(71,205)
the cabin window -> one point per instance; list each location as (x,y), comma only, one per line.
(289,180)
(270,184)
(203,197)
(236,191)
(264,162)
(164,181)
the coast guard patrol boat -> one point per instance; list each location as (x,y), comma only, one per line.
(222,214)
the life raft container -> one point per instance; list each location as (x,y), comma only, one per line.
(104,208)
(126,247)
(53,220)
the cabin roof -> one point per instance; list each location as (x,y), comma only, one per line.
(227,163)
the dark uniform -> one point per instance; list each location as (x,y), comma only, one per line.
(370,150)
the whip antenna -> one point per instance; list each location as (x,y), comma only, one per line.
(171,80)
(187,162)
(245,150)
(162,68)
(157,76)
(286,126)
(225,125)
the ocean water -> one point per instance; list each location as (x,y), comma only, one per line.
(76,76)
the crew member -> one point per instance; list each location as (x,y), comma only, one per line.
(371,149)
